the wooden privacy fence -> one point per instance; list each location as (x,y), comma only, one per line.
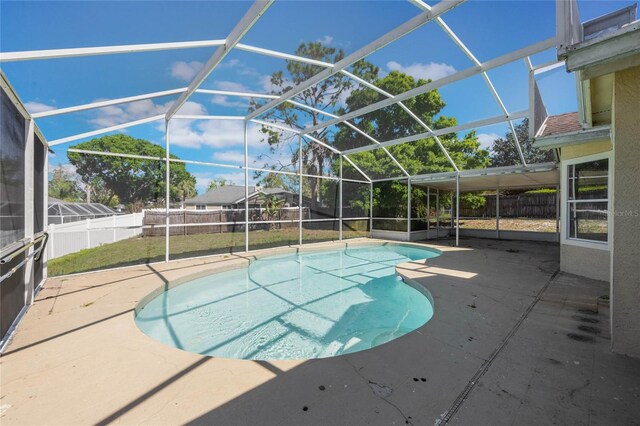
(523,205)
(154,220)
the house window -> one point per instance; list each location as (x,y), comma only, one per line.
(201,206)
(588,201)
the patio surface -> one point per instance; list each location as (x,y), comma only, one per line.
(511,341)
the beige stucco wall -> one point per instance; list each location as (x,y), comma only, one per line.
(574,151)
(585,261)
(625,257)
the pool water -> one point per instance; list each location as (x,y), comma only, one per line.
(299,306)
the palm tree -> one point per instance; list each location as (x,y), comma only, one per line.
(272,207)
(185,190)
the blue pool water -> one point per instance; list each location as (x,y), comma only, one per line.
(308,305)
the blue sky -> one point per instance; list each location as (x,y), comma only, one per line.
(488,28)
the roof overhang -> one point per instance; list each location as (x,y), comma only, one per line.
(574,138)
(606,54)
(510,177)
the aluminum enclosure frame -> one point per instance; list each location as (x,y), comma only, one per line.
(223,47)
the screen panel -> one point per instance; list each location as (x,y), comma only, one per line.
(12,162)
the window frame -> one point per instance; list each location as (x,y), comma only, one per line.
(201,207)
(564,211)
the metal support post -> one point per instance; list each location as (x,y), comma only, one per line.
(167,190)
(340,200)
(371,210)
(29,209)
(457,208)
(409,209)
(45,216)
(558,211)
(451,219)
(246,189)
(300,190)
(437,213)
(498,213)
(428,211)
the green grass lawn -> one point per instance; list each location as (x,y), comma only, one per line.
(140,250)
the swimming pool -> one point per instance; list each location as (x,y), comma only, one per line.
(297,306)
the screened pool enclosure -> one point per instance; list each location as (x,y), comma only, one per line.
(372,161)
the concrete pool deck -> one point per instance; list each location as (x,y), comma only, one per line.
(511,341)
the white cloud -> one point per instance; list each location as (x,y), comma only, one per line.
(225,101)
(202,183)
(231,63)
(432,70)
(230,101)
(118,114)
(268,87)
(236,157)
(231,86)
(213,133)
(67,167)
(326,40)
(185,70)
(34,107)
(486,139)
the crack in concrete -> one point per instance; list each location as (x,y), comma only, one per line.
(382,392)
(55,299)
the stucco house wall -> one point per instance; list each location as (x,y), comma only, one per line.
(576,259)
(625,256)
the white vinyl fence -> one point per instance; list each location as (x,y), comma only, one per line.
(75,236)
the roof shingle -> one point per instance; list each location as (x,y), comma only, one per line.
(562,123)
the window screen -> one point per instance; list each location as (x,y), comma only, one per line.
(588,200)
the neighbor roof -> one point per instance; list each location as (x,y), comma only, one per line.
(229,194)
(562,123)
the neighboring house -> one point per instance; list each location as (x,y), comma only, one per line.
(233,197)
(599,152)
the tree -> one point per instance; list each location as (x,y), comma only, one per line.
(324,96)
(131,180)
(278,180)
(216,183)
(186,189)
(272,205)
(505,153)
(65,186)
(418,157)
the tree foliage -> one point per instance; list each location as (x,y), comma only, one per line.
(505,153)
(422,156)
(323,96)
(216,183)
(272,205)
(281,181)
(64,186)
(132,180)
(418,157)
